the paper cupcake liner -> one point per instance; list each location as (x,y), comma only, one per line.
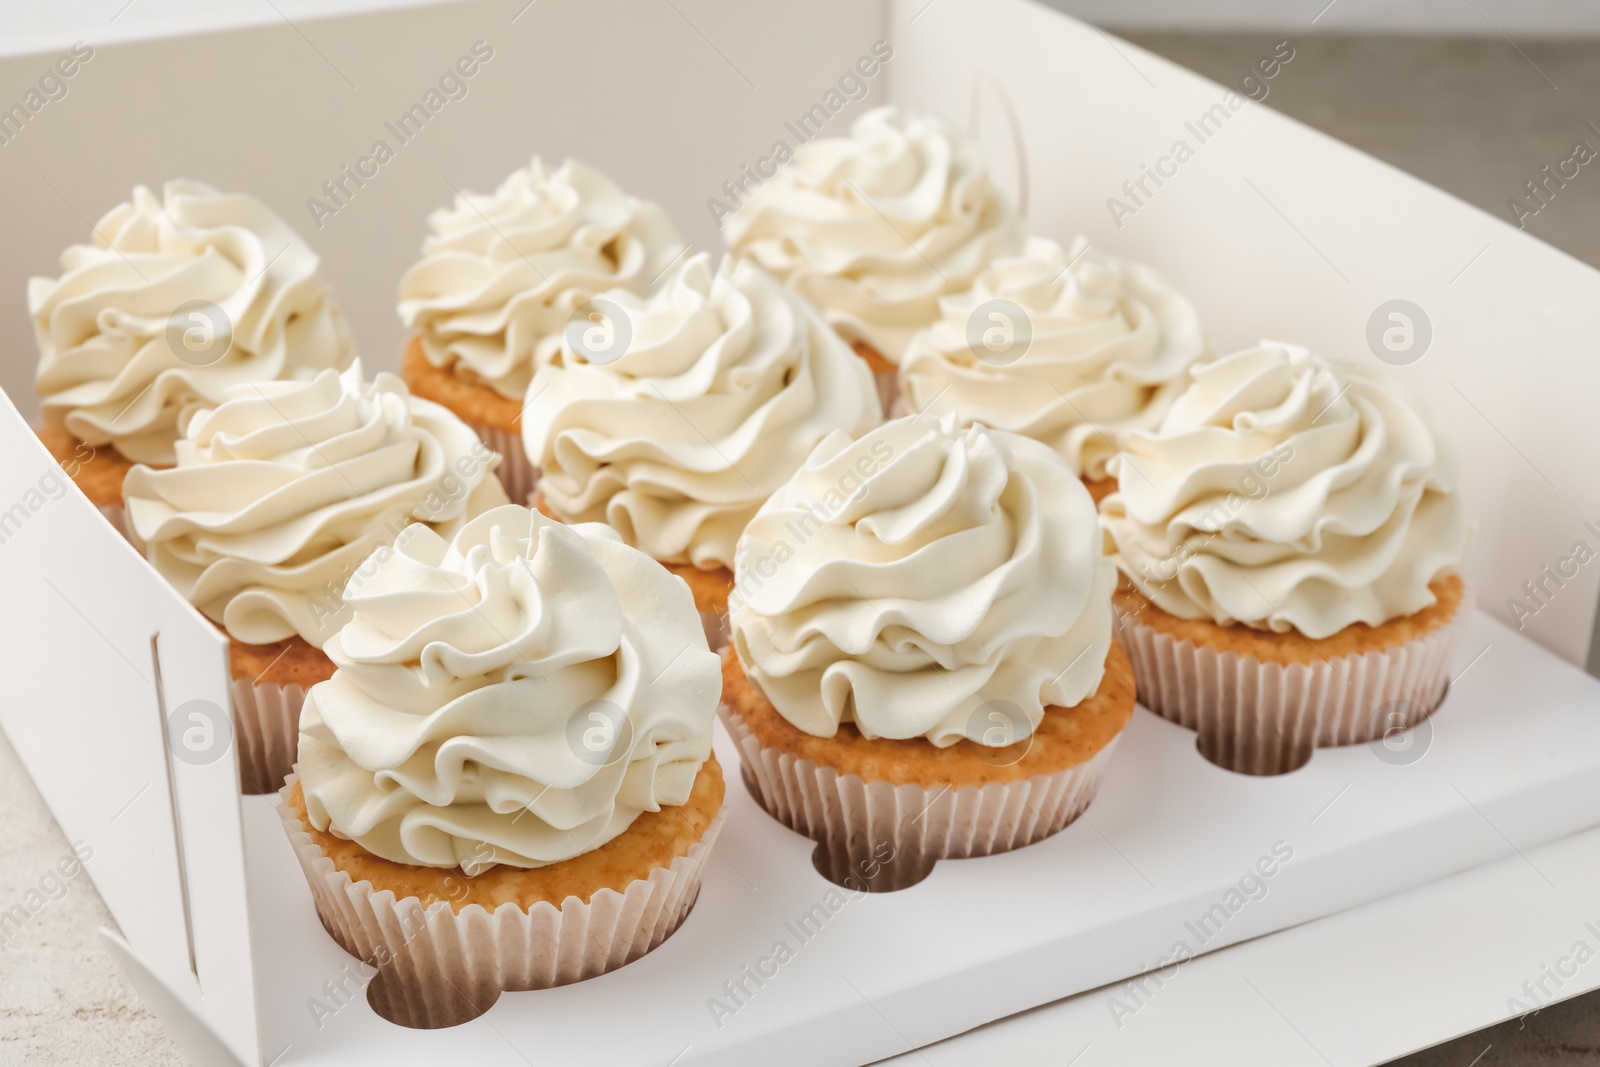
(117,516)
(438,967)
(889,836)
(266,727)
(715,624)
(1267,718)
(517,473)
(888,390)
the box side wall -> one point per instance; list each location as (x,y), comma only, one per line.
(99,652)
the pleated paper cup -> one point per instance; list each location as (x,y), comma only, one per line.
(473,402)
(888,383)
(117,516)
(266,726)
(440,967)
(900,831)
(715,624)
(1262,718)
(517,473)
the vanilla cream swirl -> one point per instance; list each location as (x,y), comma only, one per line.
(113,366)
(726,384)
(874,228)
(281,492)
(1069,348)
(518,695)
(501,273)
(913,579)
(1288,492)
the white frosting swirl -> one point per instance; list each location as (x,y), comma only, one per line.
(518,695)
(501,273)
(910,581)
(1288,492)
(874,228)
(1081,348)
(727,384)
(108,370)
(281,491)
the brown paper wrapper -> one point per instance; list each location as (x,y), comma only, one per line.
(266,727)
(715,624)
(889,836)
(888,390)
(517,473)
(439,967)
(1266,718)
(117,516)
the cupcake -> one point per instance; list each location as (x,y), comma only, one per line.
(508,781)
(1289,558)
(1070,348)
(501,275)
(706,398)
(179,299)
(277,496)
(875,227)
(921,664)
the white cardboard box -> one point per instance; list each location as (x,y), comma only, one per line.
(1275,231)
(1358,987)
